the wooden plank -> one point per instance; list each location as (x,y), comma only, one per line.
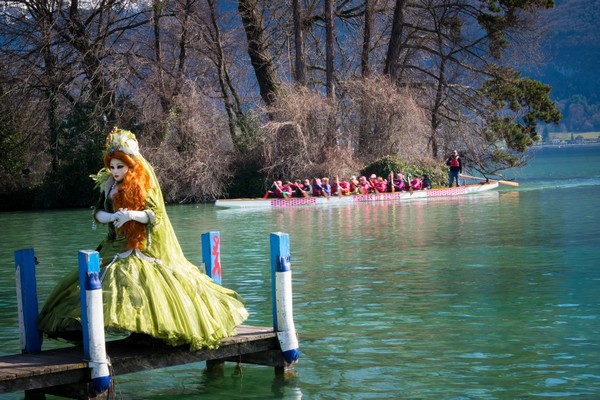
(48,368)
(66,366)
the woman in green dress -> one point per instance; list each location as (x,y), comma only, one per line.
(148,286)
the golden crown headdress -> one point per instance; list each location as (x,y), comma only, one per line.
(117,140)
(122,140)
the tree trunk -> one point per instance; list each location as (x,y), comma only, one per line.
(395,44)
(90,53)
(366,49)
(156,15)
(182,61)
(329,50)
(51,92)
(300,61)
(437,105)
(363,129)
(258,50)
(330,141)
(44,19)
(222,72)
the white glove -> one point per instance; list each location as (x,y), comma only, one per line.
(124,215)
(104,217)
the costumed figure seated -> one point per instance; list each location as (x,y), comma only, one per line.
(148,286)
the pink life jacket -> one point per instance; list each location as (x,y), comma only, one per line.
(381,186)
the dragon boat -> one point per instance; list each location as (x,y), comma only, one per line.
(356,199)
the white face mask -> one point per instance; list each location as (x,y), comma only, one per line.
(118,169)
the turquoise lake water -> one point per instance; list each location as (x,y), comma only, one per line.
(489,296)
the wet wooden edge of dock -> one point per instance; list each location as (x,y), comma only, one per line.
(64,366)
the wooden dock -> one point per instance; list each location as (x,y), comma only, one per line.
(65,373)
(85,371)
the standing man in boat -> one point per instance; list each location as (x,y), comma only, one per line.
(455,164)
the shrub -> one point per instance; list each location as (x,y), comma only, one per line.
(437,172)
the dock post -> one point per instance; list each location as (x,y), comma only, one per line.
(27,301)
(281,287)
(92,319)
(211,255)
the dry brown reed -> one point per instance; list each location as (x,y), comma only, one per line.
(193,159)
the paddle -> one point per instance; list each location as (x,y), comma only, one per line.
(298,186)
(509,183)
(268,191)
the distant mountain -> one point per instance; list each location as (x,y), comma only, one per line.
(572,67)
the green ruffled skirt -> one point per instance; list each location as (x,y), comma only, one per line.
(176,303)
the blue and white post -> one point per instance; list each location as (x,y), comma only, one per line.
(92,319)
(211,255)
(27,301)
(281,287)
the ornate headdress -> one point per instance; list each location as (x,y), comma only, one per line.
(117,140)
(122,140)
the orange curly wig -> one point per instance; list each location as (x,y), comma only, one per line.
(132,196)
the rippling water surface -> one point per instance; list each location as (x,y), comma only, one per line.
(490,296)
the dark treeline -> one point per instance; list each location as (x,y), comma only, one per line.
(225,96)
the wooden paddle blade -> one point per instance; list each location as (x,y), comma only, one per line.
(509,183)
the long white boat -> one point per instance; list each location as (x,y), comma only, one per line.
(341,200)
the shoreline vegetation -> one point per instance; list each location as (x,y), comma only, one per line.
(21,200)
(564,138)
(566,143)
(223,102)
(436,171)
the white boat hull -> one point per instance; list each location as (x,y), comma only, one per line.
(341,200)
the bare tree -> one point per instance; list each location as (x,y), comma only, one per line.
(366,48)
(295,138)
(258,49)
(237,120)
(395,44)
(300,56)
(393,122)
(193,160)
(157,13)
(446,51)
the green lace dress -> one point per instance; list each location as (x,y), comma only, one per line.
(156,291)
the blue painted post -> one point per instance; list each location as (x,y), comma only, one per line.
(27,301)
(211,255)
(281,287)
(92,319)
